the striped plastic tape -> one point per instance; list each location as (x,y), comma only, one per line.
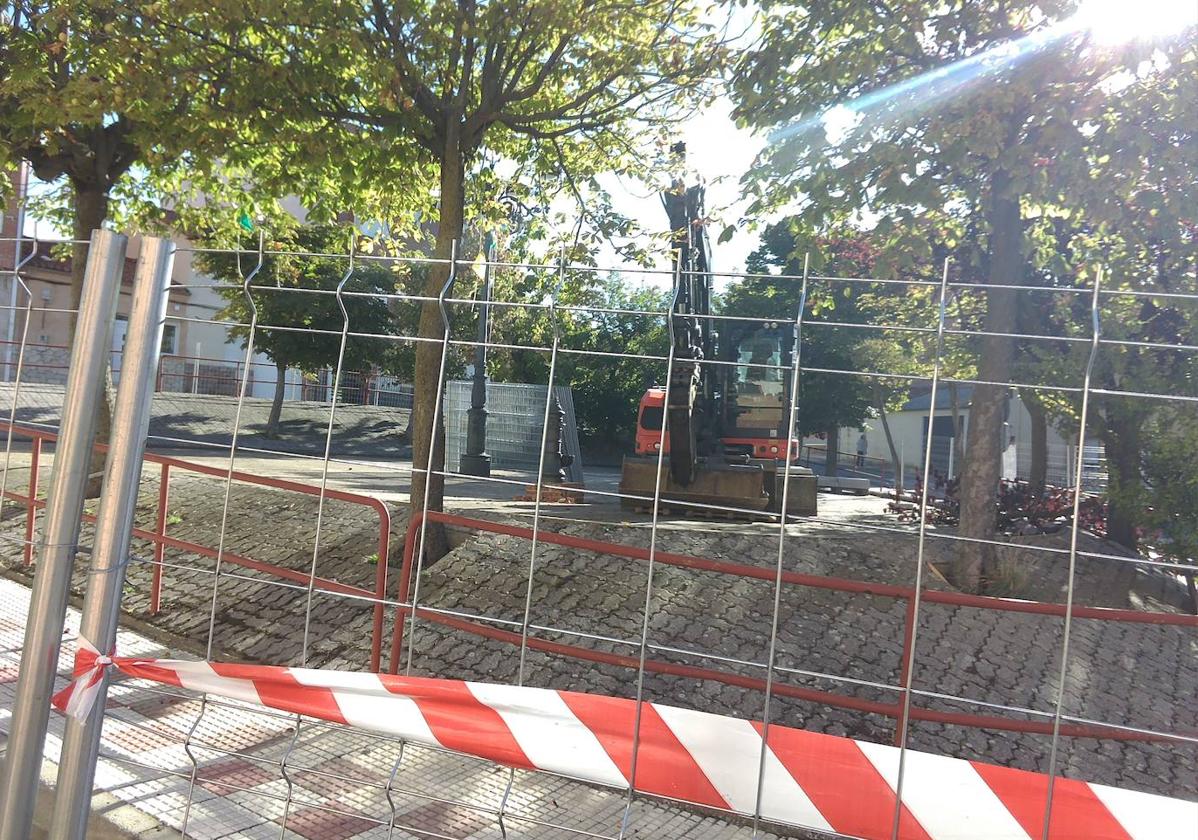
(815,781)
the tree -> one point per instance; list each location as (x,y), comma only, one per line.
(557,91)
(96,92)
(600,343)
(608,389)
(299,329)
(1139,222)
(1142,225)
(895,357)
(1172,487)
(961,124)
(1147,330)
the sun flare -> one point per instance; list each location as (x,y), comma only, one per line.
(1120,21)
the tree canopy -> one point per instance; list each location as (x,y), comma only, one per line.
(974,126)
(101,95)
(299,314)
(827,401)
(534,98)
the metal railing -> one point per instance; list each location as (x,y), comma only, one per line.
(477,625)
(215,376)
(161,540)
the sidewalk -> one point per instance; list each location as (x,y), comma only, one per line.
(327,782)
(113,814)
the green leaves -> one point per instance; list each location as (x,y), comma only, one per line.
(299,292)
(155,104)
(825,400)
(939,119)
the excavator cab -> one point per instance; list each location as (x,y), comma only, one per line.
(746,465)
(756,394)
(756,399)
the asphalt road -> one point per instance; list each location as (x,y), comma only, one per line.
(390,481)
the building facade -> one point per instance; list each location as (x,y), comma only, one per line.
(198,354)
(909,430)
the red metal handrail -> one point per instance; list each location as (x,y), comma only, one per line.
(161,540)
(892,710)
(158,537)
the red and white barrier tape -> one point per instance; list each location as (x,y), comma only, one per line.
(821,782)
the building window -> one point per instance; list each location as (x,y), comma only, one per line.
(169,339)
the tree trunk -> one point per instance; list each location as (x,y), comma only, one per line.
(832,452)
(1038,476)
(1124,482)
(958,441)
(983,464)
(428,382)
(91,209)
(880,404)
(276,407)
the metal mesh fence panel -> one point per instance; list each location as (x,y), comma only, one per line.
(512,441)
(1075,662)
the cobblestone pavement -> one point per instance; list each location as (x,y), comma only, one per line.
(1134,675)
(1143,676)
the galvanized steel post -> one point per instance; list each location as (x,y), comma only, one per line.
(64,510)
(114,524)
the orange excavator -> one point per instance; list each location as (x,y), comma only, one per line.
(725,407)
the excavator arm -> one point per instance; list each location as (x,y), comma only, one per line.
(703,473)
(689,393)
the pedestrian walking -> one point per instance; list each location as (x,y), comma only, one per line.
(1010,461)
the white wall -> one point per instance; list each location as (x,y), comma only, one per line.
(208,340)
(907,429)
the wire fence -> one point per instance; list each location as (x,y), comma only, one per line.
(214,376)
(1079,661)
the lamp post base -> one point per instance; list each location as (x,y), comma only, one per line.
(479,465)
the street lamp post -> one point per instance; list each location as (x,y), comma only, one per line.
(555,459)
(475,460)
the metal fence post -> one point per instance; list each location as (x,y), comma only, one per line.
(64,510)
(114,524)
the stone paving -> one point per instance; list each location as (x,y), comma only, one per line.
(1142,676)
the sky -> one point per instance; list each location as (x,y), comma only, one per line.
(721,153)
